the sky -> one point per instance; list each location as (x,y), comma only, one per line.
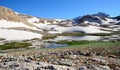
(63,9)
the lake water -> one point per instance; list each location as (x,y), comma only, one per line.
(86,37)
(54,45)
(76,38)
(79,38)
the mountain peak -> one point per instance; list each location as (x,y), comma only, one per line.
(101,14)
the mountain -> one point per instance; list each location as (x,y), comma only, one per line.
(33,19)
(11,24)
(99,19)
(118,17)
(9,15)
(17,26)
(102,15)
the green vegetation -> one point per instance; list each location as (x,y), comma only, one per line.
(110,47)
(101,34)
(2,39)
(52,36)
(116,32)
(49,37)
(73,42)
(14,45)
(72,34)
(90,43)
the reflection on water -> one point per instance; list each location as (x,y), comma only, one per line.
(54,45)
(80,38)
(76,38)
(87,37)
(112,37)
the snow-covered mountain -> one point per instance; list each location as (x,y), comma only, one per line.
(10,20)
(99,19)
(17,26)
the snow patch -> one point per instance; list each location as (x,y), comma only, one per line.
(54,32)
(5,23)
(33,20)
(10,24)
(89,29)
(18,35)
(46,26)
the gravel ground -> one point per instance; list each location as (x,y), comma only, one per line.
(67,59)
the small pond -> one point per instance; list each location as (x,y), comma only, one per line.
(76,38)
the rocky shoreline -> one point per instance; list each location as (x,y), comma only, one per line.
(67,59)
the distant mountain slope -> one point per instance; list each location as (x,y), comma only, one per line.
(9,15)
(118,17)
(16,24)
(9,20)
(95,19)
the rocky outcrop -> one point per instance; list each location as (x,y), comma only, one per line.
(9,15)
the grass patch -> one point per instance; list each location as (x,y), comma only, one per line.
(72,34)
(2,39)
(52,36)
(111,47)
(49,37)
(73,42)
(101,34)
(14,45)
(89,43)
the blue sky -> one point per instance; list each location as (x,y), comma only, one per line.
(63,8)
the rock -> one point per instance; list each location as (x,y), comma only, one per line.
(100,60)
(4,63)
(80,53)
(54,53)
(105,67)
(38,63)
(27,60)
(112,56)
(73,56)
(83,68)
(13,66)
(12,59)
(44,67)
(25,69)
(75,53)
(98,67)
(88,54)
(5,60)
(65,62)
(51,67)
(117,68)
(38,68)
